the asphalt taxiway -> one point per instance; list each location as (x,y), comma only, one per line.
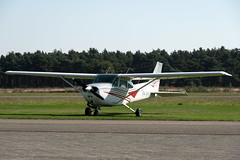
(113,139)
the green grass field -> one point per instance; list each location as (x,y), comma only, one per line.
(201,107)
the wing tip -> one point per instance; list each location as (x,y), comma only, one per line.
(8,72)
(226,74)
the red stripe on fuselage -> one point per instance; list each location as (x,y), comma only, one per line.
(134,94)
(153,85)
(119,96)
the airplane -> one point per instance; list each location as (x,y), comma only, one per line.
(118,89)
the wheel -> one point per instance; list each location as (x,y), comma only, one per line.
(88,111)
(138,112)
(96,112)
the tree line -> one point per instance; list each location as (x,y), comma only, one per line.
(93,61)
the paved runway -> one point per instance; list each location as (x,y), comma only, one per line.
(113,139)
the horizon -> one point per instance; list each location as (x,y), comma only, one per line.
(215,48)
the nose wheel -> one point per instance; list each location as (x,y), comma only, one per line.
(88,111)
(96,112)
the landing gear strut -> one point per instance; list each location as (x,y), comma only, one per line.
(88,110)
(138,111)
(96,112)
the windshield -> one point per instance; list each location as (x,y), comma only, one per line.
(122,83)
(104,79)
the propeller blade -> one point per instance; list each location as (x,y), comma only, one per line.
(97,95)
(94,91)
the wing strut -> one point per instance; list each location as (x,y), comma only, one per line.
(71,85)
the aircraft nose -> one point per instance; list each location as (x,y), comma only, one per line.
(88,88)
(94,90)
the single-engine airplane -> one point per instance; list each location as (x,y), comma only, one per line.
(118,89)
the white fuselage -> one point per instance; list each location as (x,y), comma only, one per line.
(118,95)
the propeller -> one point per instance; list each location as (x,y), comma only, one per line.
(94,91)
(91,89)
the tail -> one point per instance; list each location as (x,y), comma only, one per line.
(157,69)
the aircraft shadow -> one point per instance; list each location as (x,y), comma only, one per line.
(68,115)
(114,114)
(56,115)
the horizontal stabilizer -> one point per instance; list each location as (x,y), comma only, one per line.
(170,94)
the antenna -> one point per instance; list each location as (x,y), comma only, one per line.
(128,70)
(108,70)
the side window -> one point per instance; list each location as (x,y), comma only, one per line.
(123,84)
(115,84)
(130,84)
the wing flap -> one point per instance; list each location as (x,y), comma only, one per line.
(53,74)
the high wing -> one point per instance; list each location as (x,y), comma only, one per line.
(172,75)
(133,76)
(54,74)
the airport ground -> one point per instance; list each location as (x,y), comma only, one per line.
(114,139)
(212,106)
(25,139)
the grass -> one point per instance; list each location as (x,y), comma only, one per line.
(216,107)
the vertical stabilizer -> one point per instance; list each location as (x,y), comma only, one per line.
(156,83)
(158,68)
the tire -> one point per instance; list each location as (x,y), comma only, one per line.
(96,113)
(88,111)
(138,112)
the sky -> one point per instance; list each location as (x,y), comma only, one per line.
(126,25)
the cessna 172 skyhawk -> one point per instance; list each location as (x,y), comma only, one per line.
(118,89)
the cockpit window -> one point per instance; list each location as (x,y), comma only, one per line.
(113,80)
(123,84)
(126,84)
(130,84)
(104,79)
(116,82)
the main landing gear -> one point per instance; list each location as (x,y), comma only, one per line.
(88,110)
(138,112)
